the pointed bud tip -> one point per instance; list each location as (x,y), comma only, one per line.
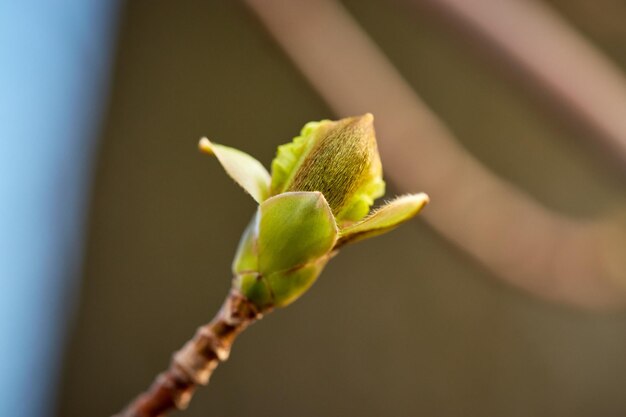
(369,117)
(419,199)
(423,197)
(205,146)
(365,121)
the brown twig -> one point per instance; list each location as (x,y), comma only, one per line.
(194,363)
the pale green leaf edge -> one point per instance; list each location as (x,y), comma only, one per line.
(384,219)
(249,173)
(289,157)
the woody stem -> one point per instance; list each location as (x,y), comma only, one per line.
(194,363)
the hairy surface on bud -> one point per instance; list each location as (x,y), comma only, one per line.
(337,158)
(338,163)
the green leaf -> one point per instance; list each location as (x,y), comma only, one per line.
(384,219)
(255,288)
(359,205)
(287,286)
(247,256)
(294,228)
(249,173)
(290,155)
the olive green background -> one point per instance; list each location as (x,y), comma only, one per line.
(402,325)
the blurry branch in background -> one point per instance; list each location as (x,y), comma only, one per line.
(544,48)
(553,256)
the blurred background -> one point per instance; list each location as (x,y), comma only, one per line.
(505,301)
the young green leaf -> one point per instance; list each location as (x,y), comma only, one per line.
(288,285)
(249,173)
(294,229)
(255,288)
(386,218)
(289,156)
(247,255)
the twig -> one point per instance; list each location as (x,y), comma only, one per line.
(518,239)
(194,363)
